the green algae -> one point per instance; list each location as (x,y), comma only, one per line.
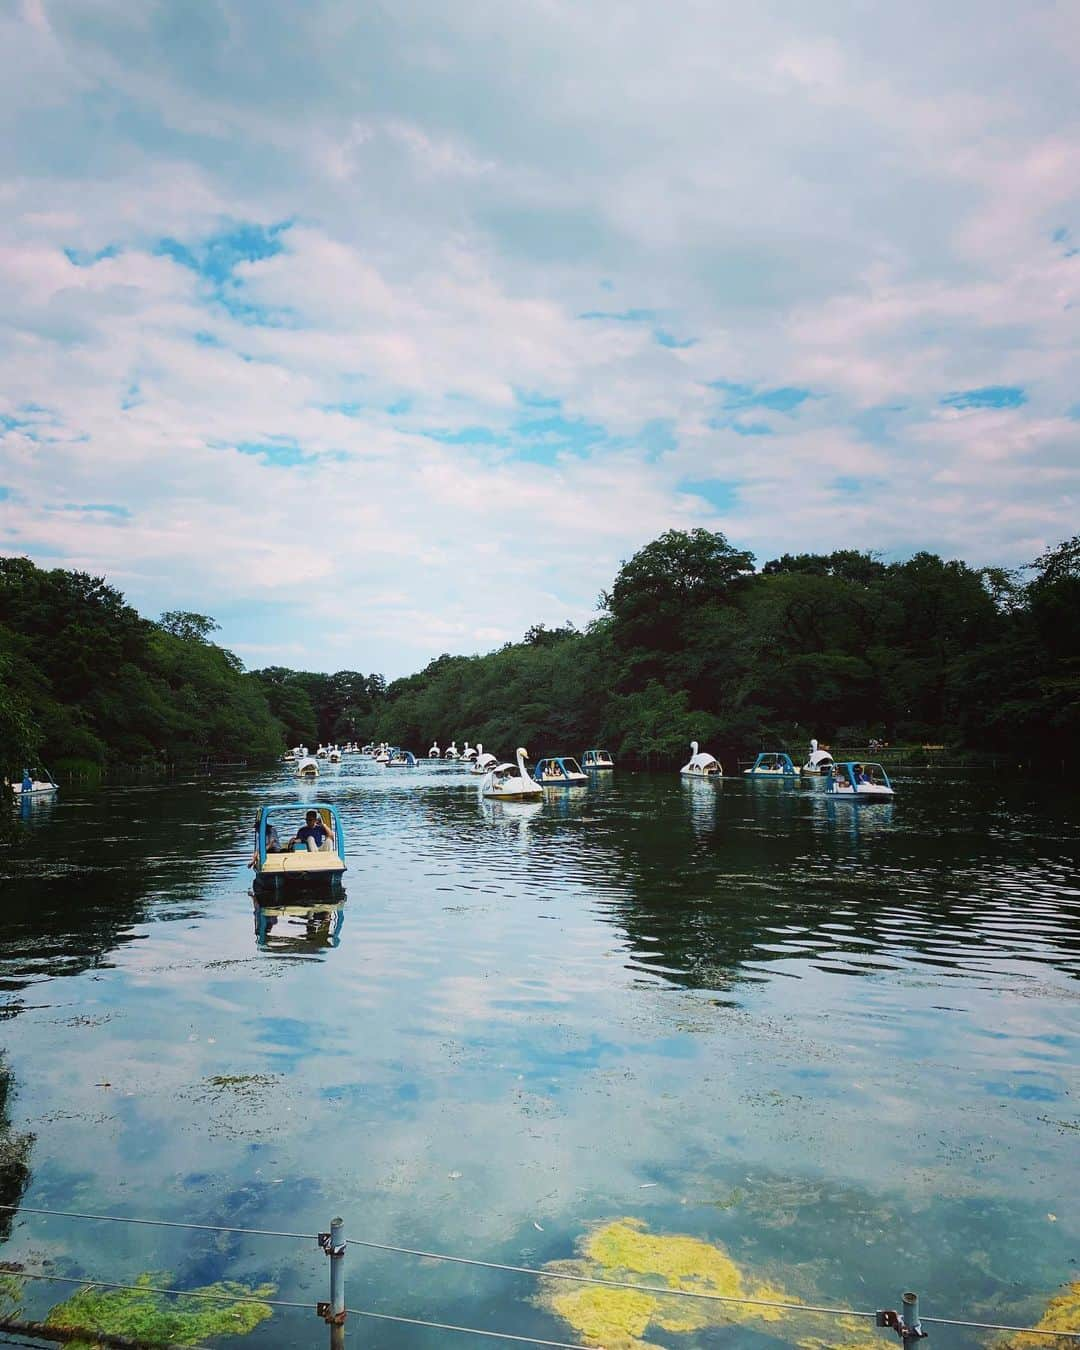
(621,1319)
(159,1319)
(1062,1314)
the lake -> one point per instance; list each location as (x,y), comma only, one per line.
(840,1042)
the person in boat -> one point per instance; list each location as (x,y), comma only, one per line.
(313,834)
(860,774)
(27,781)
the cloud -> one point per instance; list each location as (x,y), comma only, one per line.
(418,303)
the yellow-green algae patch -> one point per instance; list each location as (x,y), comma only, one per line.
(621,1319)
(1062,1314)
(159,1319)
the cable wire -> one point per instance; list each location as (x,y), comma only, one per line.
(159,1223)
(472,1331)
(474,1261)
(154,1289)
(613,1284)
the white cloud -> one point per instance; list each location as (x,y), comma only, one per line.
(817,202)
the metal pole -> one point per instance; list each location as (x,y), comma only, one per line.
(337,1284)
(912,1332)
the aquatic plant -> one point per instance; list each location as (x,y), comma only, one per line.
(160,1319)
(1062,1314)
(620,1319)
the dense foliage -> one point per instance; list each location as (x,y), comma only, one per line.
(691,642)
(85,682)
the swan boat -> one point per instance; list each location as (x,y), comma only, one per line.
(511,782)
(451,751)
(771,764)
(308,767)
(818,761)
(277,867)
(860,782)
(597,759)
(560,771)
(334,756)
(701,764)
(468,753)
(434,752)
(483,763)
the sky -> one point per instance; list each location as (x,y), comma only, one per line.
(380,330)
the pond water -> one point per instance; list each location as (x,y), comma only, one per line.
(842,1042)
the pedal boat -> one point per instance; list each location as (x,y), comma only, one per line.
(597,759)
(300,866)
(771,764)
(561,771)
(859,781)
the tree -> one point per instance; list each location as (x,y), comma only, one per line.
(184,623)
(657,591)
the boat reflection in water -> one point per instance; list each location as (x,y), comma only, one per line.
(511,815)
(837,818)
(299,930)
(701,797)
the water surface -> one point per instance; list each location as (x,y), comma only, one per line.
(841,1041)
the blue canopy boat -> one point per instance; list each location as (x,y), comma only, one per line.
(560,771)
(401,759)
(858,781)
(771,764)
(597,759)
(278,865)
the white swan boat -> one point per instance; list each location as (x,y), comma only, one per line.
(511,782)
(334,756)
(451,751)
(308,767)
(434,752)
(468,753)
(818,761)
(701,764)
(483,763)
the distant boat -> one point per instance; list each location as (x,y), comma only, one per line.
(277,867)
(483,763)
(334,756)
(856,781)
(451,751)
(771,764)
(819,761)
(597,759)
(308,767)
(31,787)
(701,764)
(401,759)
(381,754)
(434,752)
(468,753)
(560,771)
(510,782)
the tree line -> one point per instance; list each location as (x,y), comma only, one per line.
(691,642)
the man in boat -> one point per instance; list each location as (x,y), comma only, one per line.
(312,835)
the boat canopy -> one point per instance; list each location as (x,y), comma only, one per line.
(597,759)
(270,818)
(559,769)
(861,779)
(772,762)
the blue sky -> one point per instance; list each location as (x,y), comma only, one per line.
(383,331)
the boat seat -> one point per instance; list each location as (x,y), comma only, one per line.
(302,861)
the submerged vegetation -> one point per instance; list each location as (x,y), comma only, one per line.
(691,642)
(162,1319)
(622,1319)
(624,1250)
